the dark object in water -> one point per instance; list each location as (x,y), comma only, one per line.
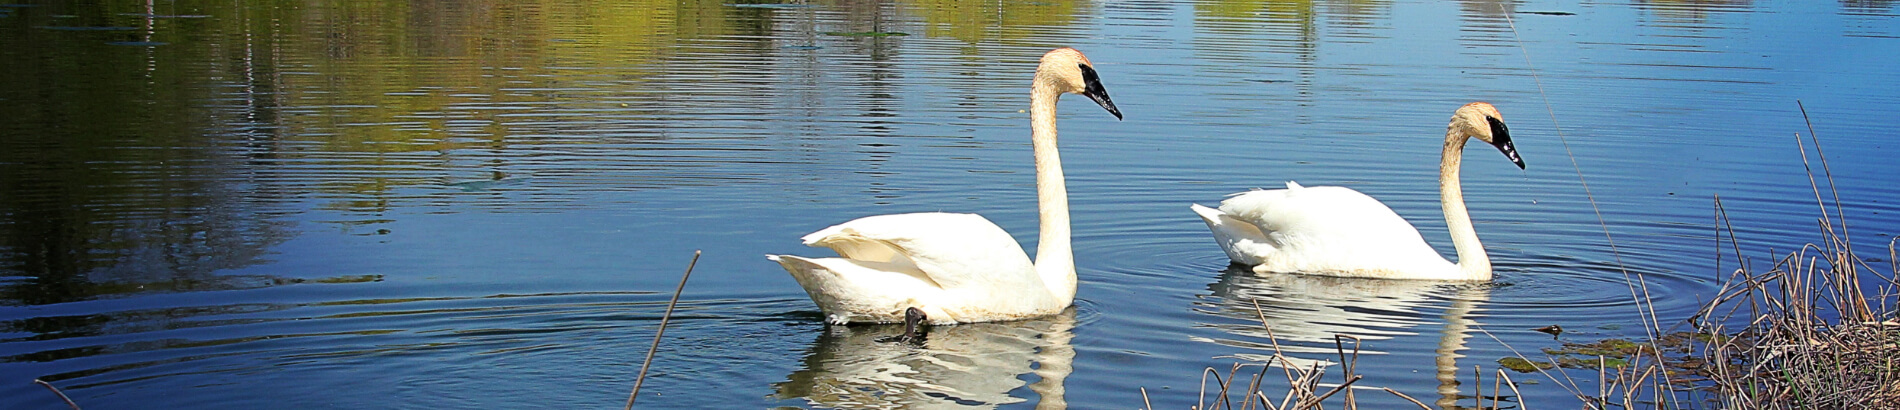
(1550,13)
(914,333)
(1553,330)
(1521,365)
(866,34)
(770,5)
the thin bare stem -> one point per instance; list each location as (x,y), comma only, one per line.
(1825,170)
(1407,398)
(1477,385)
(1514,393)
(1567,383)
(662,331)
(62,395)
(1350,365)
(1329,393)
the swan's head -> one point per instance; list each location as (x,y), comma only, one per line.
(1068,71)
(1482,121)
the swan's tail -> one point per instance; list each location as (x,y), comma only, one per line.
(1243,242)
(854,291)
(820,282)
(1209,215)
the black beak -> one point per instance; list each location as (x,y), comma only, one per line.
(1501,138)
(1094,91)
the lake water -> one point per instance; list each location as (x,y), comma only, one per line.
(392,204)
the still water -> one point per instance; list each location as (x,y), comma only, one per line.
(390,204)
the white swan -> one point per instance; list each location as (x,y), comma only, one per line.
(1336,231)
(959,268)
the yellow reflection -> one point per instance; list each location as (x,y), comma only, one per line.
(1691,11)
(986,20)
(1300,16)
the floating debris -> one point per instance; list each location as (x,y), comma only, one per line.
(1549,13)
(1524,366)
(348,279)
(499,181)
(166,16)
(770,5)
(866,34)
(1553,330)
(87,28)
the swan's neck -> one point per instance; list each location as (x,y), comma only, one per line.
(1055,261)
(1472,260)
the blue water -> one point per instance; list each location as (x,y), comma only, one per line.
(488,204)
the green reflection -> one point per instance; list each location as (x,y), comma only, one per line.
(148,168)
(110,179)
(150,145)
(1246,36)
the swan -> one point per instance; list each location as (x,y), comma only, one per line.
(1336,231)
(959,268)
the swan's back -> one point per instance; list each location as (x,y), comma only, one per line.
(1330,230)
(955,267)
(953,250)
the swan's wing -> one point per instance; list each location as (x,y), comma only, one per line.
(1328,223)
(1322,209)
(1241,240)
(953,250)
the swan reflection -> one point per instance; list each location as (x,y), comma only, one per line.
(1305,312)
(960,366)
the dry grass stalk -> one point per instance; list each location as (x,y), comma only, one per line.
(1304,381)
(62,395)
(1814,337)
(642,378)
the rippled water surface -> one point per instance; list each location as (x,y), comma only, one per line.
(372,204)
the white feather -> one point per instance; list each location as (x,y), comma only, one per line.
(955,267)
(1336,231)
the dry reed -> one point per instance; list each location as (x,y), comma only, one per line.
(1305,387)
(1806,332)
(657,334)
